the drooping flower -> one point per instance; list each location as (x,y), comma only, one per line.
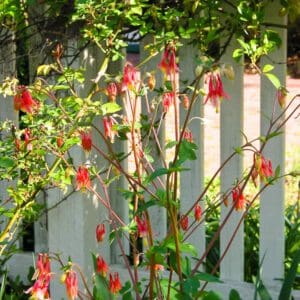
(23,101)
(102,267)
(281,96)
(27,139)
(40,289)
(82,178)
(188,136)
(114,283)
(168,100)
(215,90)
(71,282)
(263,166)
(238,199)
(151,82)
(108,123)
(86,141)
(185,102)
(59,141)
(184,222)
(100,232)
(43,264)
(141,226)
(168,62)
(130,77)
(112,91)
(197,212)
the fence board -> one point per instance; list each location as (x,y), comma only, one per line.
(232,266)
(272,200)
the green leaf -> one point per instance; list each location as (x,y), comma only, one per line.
(274,80)
(100,291)
(207,277)
(234,295)
(110,108)
(237,54)
(157,173)
(267,68)
(6,162)
(286,289)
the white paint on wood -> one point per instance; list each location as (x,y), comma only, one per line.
(192,181)
(272,199)
(232,266)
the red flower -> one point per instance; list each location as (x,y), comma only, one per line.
(184,222)
(238,199)
(198,212)
(102,267)
(82,178)
(108,123)
(86,141)
(59,141)
(39,290)
(27,139)
(142,226)
(112,91)
(187,135)
(168,63)
(100,232)
(168,100)
(215,90)
(263,167)
(71,283)
(129,77)
(114,283)
(23,101)
(43,264)
(42,275)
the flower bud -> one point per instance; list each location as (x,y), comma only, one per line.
(185,102)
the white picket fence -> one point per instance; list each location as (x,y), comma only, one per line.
(70,226)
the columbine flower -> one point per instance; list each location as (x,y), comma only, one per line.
(188,136)
(238,199)
(281,96)
(59,141)
(197,212)
(114,283)
(86,141)
(71,283)
(185,102)
(168,63)
(82,178)
(215,90)
(39,290)
(100,232)
(129,77)
(262,166)
(141,226)
(23,100)
(43,264)
(184,222)
(27,139)
(102,267)
(108,123)
(112,91)
(168,100)
(151,82)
